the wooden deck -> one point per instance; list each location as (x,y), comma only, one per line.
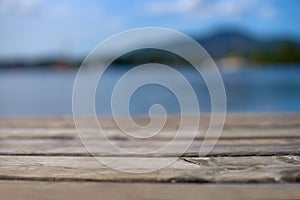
(256,157)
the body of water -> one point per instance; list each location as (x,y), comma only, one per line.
(37,92)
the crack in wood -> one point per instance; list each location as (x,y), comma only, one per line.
(187,155)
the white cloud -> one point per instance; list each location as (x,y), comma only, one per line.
(267,12)
(48,9)
(38,27)
(211,8)
(20,8)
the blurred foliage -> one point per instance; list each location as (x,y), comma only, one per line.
(286,53)
(149,55)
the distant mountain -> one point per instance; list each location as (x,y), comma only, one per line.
(224,44)
(233,44)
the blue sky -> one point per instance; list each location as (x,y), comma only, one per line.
(33,28)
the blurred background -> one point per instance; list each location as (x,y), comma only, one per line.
(256,45)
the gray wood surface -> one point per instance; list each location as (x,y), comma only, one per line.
(73,147)
(36,190)
(247,169)
(256,157)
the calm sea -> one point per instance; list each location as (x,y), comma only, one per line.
(37,92)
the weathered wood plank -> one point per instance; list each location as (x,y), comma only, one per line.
(64,134)
(266,169)
(252,148)
(35,190)
(232,120)
(69,147)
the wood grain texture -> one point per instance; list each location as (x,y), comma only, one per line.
(202,170)
(74,147)
(35,190)
(232,120)
(114,134)
(256,157)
